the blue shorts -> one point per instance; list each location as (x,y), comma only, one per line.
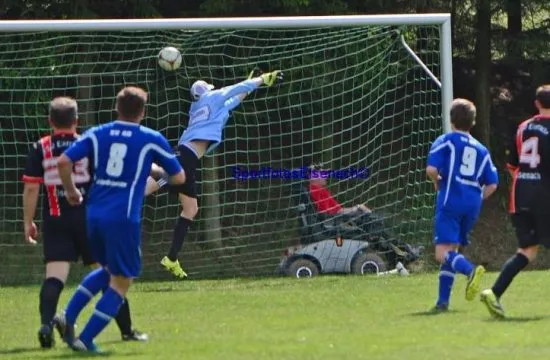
(453,228)
(115,244)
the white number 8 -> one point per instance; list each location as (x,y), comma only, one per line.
(469,157)
(115,164)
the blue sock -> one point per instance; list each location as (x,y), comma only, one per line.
(446,280)
(459,263)
(105,310)
(88,288)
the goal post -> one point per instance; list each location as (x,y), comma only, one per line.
(368,91)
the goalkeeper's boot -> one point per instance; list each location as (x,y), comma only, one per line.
(135,335)
(490,300)
(173,267)
(78,345)
(45,337)
(474,282)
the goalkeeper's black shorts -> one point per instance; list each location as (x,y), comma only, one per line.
(65,238)
(189,162)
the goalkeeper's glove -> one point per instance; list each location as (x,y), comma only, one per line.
(272,78)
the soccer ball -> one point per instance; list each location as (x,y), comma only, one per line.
(169,58)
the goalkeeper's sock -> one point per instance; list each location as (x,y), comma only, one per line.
(106,309)
(446,280)
(182,225)
(459,263)
(511,268)
(49,297)
(88,288)
(123,319)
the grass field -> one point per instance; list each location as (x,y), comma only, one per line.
(321,318)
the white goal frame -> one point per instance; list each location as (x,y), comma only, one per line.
(443,20)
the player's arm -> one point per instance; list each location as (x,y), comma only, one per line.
(80,149)
(30,201)
(489,177)
(436,159)
(244,88)
(65,169)
(433,175)
(33,176)
(512,157)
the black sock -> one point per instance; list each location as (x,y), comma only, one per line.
(49,297)
(182,225)
(510,269)
(123,319)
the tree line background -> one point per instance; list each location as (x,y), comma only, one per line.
(501,54)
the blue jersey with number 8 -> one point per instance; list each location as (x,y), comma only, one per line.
(121,153)
(465,166)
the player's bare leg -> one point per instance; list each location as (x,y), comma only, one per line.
(512,267)
(189,211)
(56,276)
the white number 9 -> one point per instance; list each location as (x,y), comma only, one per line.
(469,157)
(115,164)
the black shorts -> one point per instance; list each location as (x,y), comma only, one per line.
(189,162)
(532,228)
(65,239)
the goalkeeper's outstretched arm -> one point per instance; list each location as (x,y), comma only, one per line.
(242,89)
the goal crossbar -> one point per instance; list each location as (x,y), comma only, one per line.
(218,23)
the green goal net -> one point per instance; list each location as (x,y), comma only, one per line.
(353,97)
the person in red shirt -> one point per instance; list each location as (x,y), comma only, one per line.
(325,203)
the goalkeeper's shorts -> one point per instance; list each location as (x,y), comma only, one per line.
(189,162)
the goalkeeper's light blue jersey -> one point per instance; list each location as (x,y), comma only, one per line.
(122,154)
(465,166)
(210,113)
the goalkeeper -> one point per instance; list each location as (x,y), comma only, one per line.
(208,116)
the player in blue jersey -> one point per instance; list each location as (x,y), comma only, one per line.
(123,153)
(208,116)
(463,174)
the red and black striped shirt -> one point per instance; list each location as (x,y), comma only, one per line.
(41,167)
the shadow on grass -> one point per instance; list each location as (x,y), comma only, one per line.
(21,350)
(518,319)
(433,313)
(164,289)
(81,355)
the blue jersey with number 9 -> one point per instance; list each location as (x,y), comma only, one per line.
(465,166)
(122,154)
